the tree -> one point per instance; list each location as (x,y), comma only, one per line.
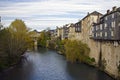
(44,36)
(15,40)
(4,36)
(20,37)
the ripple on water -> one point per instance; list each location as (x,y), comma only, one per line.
(48,65)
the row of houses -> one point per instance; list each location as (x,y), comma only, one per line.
(108,27)
(101,32)
(94,25)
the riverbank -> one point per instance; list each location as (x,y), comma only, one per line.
(13,65)
(94,66)
(100,54)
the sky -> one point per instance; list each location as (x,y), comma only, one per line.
(41,14)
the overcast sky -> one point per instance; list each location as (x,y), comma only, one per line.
(40,14)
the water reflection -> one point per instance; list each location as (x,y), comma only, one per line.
(85,72)
(20,72)
(48,65)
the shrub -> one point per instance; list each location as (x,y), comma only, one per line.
(89,60)
(93,59)
(76,50)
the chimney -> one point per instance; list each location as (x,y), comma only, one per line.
(114,8)
(108,11)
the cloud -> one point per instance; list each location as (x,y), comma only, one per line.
(50,13)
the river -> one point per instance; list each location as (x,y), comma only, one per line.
(48,65)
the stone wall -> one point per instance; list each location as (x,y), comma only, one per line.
(111,54)
(94,50)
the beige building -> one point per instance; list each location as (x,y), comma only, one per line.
(71,34)
(59,32)
(78,30)
(65,31)
(86,34)
(87,23)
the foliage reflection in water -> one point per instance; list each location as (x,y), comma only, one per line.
(48,65)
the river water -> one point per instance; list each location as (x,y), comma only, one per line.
(48,65)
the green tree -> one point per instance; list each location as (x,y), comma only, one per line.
(20,37)
(4,36)
(15,40)
(44,36)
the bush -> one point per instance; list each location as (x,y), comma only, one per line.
(93,59)
(76,50)
(89,60)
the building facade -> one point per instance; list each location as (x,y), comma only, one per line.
(78,26)
(86,33)
(59,32)
(71,34)
(94,27)
(108,28)
(65,31)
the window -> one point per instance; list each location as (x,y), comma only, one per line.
(112,15)
(106,18)
(112,34)
(119,24)
(78,29)
(105,34)
(96,34)
(96,28)
(100,34)
(105,25)
(113,24)
(100,26)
